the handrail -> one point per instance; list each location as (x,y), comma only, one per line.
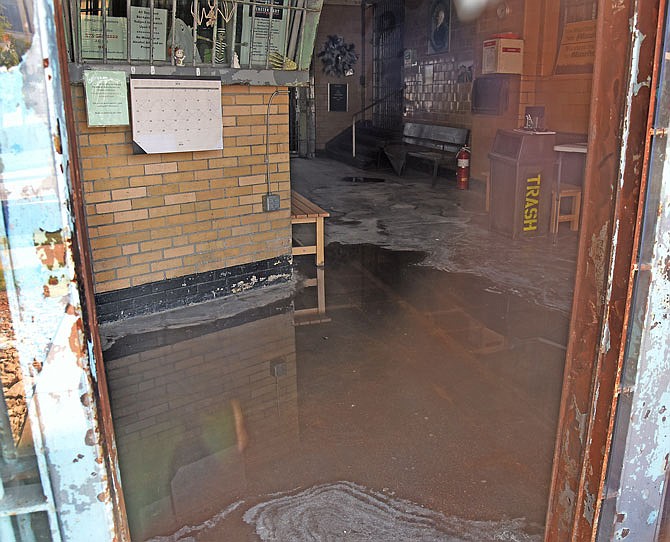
(353,117)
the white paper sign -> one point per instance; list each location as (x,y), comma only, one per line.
(106,98)
(92,37)
(140,33)
(176,115)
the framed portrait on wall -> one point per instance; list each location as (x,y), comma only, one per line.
(439,26)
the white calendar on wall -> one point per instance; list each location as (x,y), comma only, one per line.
(176,115)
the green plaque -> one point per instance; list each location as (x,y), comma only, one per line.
(106,98)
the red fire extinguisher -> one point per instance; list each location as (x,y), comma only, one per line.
(463,168)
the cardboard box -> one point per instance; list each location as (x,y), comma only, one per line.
(502,55)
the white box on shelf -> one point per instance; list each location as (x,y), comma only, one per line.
(502,55)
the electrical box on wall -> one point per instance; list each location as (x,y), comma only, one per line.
(502,55)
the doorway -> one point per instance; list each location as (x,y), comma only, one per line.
(387,74)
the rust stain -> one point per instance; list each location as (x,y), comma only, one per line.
(589,505)
(89,439)
(58,144)
(50,248)
(597,255)
(76,340)
(52,251)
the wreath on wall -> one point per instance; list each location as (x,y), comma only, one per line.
(338,57)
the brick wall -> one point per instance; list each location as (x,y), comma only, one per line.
(162,216)
(172,411)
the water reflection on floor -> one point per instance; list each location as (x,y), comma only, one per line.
(420,402)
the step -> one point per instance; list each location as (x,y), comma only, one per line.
(360,161)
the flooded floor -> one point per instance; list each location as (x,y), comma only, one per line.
(417,403)
(424,386)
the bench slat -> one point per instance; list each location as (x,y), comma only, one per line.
(301,207)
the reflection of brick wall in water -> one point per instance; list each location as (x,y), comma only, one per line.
(174,419)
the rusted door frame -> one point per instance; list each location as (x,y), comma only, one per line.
(82,257)
(617,157)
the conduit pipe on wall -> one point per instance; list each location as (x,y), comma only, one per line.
(268,200)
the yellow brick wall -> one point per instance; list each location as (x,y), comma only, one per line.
(161,216)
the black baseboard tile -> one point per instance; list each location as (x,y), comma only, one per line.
(190,289)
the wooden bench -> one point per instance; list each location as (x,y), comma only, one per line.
(304,211)
(437,144)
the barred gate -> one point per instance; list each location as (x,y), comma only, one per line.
(387,67)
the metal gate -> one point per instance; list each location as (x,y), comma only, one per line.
(55,473)
(387,66)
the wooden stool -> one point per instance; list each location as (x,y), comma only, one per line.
(567,191)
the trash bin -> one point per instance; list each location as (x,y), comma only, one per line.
(522,176)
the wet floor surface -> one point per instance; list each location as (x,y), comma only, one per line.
(421,406)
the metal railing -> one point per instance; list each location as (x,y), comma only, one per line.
(272,34)
(354,117)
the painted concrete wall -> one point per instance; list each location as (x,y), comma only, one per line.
(161,216)
(344,21)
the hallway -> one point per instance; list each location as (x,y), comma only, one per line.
(422,408)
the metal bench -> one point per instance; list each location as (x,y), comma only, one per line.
(437,144)
(304,211)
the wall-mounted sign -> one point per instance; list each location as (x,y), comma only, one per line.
(409,58)
(106,98)
(140,33)
(262,36)
(92,37)
(176,115)
(338,97)
(578,48)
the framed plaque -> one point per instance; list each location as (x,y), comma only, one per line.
(439,28)
(338,97)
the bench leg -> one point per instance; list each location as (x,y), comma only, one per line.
(320,253)
(436,167)
(321,291)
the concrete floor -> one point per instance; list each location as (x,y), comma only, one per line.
(423,405)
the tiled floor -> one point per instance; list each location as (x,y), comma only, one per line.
(423,407)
